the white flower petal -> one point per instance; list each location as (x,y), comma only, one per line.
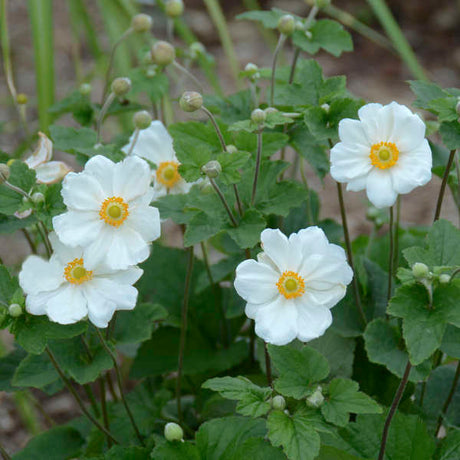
(78,228)
(409,129)
(68,306)
(379,188)
(312,321)
(128,276)
(277,247)
(96,252)
(349,162)
(42,153)
(82,192)
(100,309)
(380,127)
(131,178)
(38,275)
(146,221)
(351,132)
(36,303)
(311,239)
(64,254)
(102,169)
(256,282)
(357,184)
(51,172)
(327,297)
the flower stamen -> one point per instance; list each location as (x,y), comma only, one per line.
(76,273)
(384,155)
(168,174)
(291,285)
(114,211)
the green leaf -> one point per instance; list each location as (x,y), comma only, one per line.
(331,453)
(450,134)
(295,434)
(192,161)
(343,399)
(59,443)
(201,227)
(174,207)
(8,286)
(155,86)
(382,342)
(449,449)
(21,176)
(271,142)
(426,92)
(252,399)
(78,105)
(35,371)
(10,224)
(451,342)
(247,234)
(73,140)
(445,108)
(298,369)
(231,163)
(282,197)
(257,449)
(8,366)
(174,451)
(221,438)
(269,19)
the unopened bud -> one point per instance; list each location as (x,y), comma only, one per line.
(173,432)
(121,86)
(316,398)
(21,99)
(174,8)
(37,197)
(231,148)
(299,25)
(278,402)
(85,89)
(4,173)
(286,24)
(15,310)
(141,23)
(212,169)
(163,53)
(251,68)
(270,110)
(420,270)
(191,101)
(325,107)
(142,119)
(197,49)
(258,116)
(444,278)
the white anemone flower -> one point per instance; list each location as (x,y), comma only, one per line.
(66,291)
(109,213)
(384,152)
(293,285)
(156,145)
(47,171)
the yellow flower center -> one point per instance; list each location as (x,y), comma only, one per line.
(384,155)
(168,174)
(114,211)
(291,285)
(76,273)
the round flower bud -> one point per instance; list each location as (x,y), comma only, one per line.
(163,53)
(278,402)
(142,119)
(173,432)
(15,310)
(120,86)
(197,49)
(316,398)
(420,270)
(444,278)
(286,24)
(258,116)
(191,101)
(325,107)
(38,197)
(231,148)
(174,8)
(212,169)
(4,172)
(269,110)
(141,23)
(85,89)
(21,99)
(251,68)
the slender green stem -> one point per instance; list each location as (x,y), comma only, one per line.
(396,234)
(183,332)
(451,395)
(391,255)
(257,170)
(268,366)
(4,453)
(189,74)
(120,384)
(443,185)
(112,391)
(295,58)
(92,399)
(105,415)
(350,253)
(457,197)
(454,274)
(169,29)
(100,118)
(44,234)
(279,46)
(133,143)
(30,241)
(77,398)
(224,201)
(393,408)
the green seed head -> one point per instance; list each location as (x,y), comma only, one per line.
(163,53)
(197,49)
(286,24)
(231,148)
(191,101)
(85,89)
(173,432)
(21,99)
(174,8)
(38,197)
(141,23)
(316,399)
(142,119)
(121,86)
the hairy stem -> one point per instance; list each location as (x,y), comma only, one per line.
(100,118)
(257,170)
(278,48)
(443,185)
(451,395)
(224,201)
(134,141)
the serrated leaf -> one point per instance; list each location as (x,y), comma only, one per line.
(451,342)
(231,164)
(282,197)
(8,286)
(247,233)
(426,92)
(8,366)
(73,140)
(201,227)
(175,451)
(450,134)
(35,371)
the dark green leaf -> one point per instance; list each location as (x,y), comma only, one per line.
(35,371)
(174,451)
(247,233)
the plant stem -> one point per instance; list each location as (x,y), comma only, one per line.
(224,201)
(452,391)
(120,384)
(44,234)
(390,258)
(279,46)
(133,143)
(189,74)
(92,400)
(105,416)
(183,332)
(443,185)
(394,406)
(350,253)
(295,58)
(396,234)
(4,453)
(268,365)
(77,398)
(30,241)
(100,118)
(257,170)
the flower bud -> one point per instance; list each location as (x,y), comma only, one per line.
(258,116)
(85,89)
(21,99)
(420,270)
(231,148)
(251,68)
(325,107)
(163,53)
(197,49)
(278,402)
(15,310)
(299,25)
(191,101)
(212,169)
(4,173)
(286,24)
(142,119)
(316,398)
(444,278)
(269,110)
(38,197)
(121,86)
(173,432)
(174,8)
(141,23)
